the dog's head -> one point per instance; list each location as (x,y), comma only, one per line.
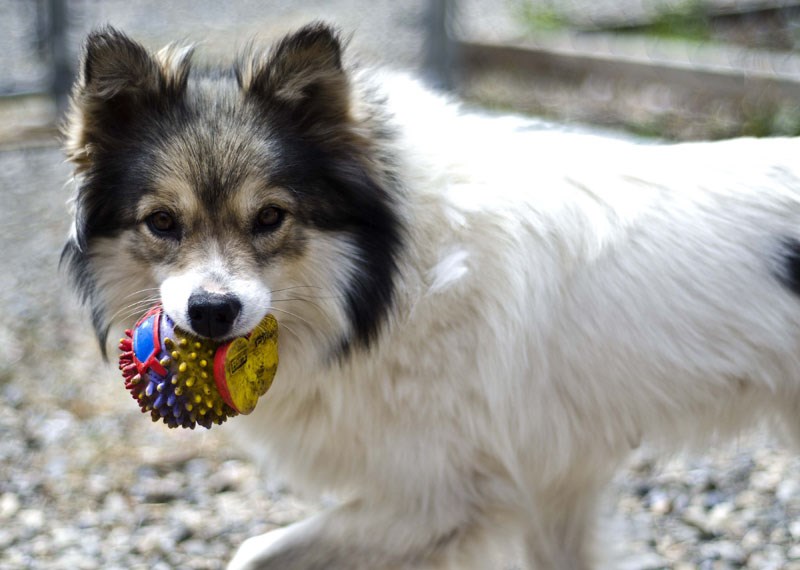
(229,193)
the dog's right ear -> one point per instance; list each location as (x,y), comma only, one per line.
(119,80)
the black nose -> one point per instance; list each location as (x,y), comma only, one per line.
(212,315)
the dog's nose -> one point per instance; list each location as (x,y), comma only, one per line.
(211,314)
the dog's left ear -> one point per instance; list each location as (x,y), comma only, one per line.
(302,74)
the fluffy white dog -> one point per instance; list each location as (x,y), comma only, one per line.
(484,317)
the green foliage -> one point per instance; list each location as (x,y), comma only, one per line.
(688,21)
(537,18)
(771,120)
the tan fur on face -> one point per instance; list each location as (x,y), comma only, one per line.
(254,195)
(175,196)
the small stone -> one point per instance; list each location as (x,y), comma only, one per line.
(114,506)
(16,559)
(770,558)
(7,538)
(787,490)
(77,560)
(32,519)
(778,536)
(162,490)
(9,505)
(765,481)
(752,539)
(98,485)
(725,550)
(695,516)
(192,519)
(747,498)
(230,476)
(660,504)
(194,547)
(150,541)
(719,516)
(794,552)
(91,545)
(673,551)
(39,547)
(64,536)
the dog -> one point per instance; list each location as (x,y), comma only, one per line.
(481,317)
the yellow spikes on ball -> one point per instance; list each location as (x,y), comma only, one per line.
(185,380)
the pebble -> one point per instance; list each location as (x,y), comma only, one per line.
(64,536)
(726,550)
(794,552)
(765,481)
(115,506)
(9,505)
(719,517)
(660,503)
(752,539)
(7,538)
(31,519)
(230,476)
(787,490)
(769,558)
(152,540)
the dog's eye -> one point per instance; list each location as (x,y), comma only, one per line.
(162,224)
(268,219)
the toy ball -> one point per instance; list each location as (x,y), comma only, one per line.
(184,380)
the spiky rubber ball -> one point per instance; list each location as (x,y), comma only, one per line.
(184,380)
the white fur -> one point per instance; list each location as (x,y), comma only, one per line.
(561,298)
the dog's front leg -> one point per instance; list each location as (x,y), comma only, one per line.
(343,538)
(352,537)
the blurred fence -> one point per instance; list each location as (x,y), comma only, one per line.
(682,69)
(50,26)
(657,66)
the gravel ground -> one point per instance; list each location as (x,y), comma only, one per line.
(87,482)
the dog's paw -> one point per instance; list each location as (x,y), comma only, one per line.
(255,552)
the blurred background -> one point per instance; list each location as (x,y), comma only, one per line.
(87,482)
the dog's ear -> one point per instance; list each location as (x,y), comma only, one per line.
(302,74)
(118,81)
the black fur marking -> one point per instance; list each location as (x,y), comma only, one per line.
(790,265)
(336,193)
